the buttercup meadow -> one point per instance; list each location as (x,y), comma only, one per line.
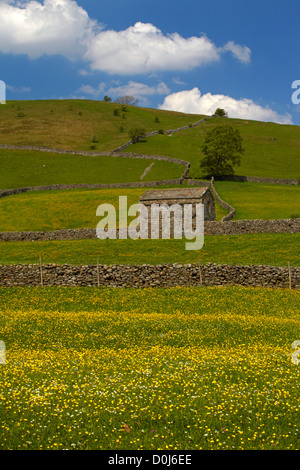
(183,368)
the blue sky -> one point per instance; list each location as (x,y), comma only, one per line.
(191,56)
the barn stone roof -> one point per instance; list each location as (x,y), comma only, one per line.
(174,194)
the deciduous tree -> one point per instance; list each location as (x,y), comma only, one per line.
(127,100)
(222,151)
(220,112)
(136,134)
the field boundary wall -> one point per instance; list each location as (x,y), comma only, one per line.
(234,227)
(142,276)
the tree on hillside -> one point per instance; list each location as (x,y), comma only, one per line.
(127,100)
(220,112)
(107,98)
(136,134)
(222,151)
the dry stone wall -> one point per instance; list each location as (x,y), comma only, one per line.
(94,154)
(63,187)
(240,227)
(260,179)
(234,227)
(143,276)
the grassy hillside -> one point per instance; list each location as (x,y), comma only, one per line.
(271,150)
(72,124)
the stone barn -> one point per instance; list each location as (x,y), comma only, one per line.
(182,196)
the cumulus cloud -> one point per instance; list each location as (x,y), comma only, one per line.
(191,101)
(63,27)
(53,27)
(144,48)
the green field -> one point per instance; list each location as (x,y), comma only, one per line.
(54,210)
(251,249)
(261,201)
(21,169)
(183,368)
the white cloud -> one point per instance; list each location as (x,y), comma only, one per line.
(21,89)
(143,48)
(92,91)
(84,73)
(177,81)
(191,101)
(62,27)
(54,27)
(242,53)
(136,89)
(139,90)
